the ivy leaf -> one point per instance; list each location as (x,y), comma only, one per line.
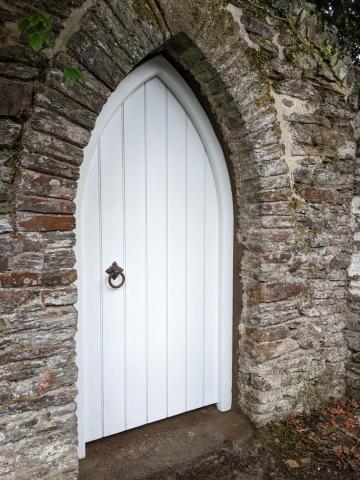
(23,24)
(47,23)
(35,20)
(38,31)
(37,40)
(72,75)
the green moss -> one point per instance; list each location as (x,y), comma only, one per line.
(286,437)
(20,399)
(20,346)
(328,50)
(296,203)
(258,60)
(264,101)
(296,53)
(322,55)
(7,150)
(276,129)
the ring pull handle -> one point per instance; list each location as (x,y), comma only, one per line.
(114,271)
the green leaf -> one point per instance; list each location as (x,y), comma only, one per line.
(72,75)
(34,20)
(47,23)
(38,29)
(23,24)
(37,40)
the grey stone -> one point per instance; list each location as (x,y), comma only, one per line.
(17,99)
(9,132)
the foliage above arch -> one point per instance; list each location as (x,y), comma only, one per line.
(345,15)
(38,32)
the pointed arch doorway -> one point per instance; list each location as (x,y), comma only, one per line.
(154,196)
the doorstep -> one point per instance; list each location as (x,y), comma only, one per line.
(137,453)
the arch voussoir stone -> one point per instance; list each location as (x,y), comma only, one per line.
(288,133)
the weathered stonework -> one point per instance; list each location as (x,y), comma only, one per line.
(286,115)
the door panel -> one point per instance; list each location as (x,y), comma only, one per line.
(211,291)
(113,249)
(156,248)
(151,203)
(195,267)
(135,263)
(176,151)
(92,284)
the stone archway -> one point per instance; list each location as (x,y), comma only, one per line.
(277,304)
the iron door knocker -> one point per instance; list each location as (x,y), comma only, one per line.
(114,271)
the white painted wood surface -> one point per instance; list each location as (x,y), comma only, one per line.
(155,197)
(112,203)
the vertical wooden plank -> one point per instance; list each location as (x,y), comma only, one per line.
(195,267)
(212,273)
(176,257)
(91,304)
(157,248)
(112,218)
(135,220)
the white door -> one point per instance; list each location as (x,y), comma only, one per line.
(149,201)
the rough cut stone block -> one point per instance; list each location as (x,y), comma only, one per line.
(107,43)
(36,183)
(45,204)
(59,296)
(48,165)
(76,113)
(19,279)
(318,195)
(23,261)
(12,298)
(18,97)
(276,292)
(131,22)
(278,222)
(9,132)
(92,99)
(60,277)
(268,334)
(270,350)
(57,259)
(5,223)
(256,26)
(50,122)
(18,70)
(92,91)
(112,24)
(47,144)
(45,223)
(94,59)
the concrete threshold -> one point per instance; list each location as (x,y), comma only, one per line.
(137,453)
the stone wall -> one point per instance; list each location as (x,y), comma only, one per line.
(283,103)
